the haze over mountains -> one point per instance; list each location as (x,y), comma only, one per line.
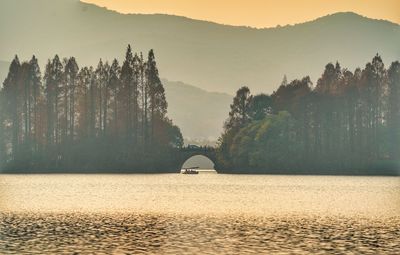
(210,56)
(200,114)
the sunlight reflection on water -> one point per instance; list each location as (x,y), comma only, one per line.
(206,213)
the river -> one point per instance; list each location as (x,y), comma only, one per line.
(207,213)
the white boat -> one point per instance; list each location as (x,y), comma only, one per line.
(190,170)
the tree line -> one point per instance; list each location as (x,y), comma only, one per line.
(104,118)
(348,123)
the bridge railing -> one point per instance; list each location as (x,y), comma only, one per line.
(198,148)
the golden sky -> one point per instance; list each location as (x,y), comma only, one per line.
(257,13)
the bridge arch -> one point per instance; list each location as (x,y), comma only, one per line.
(199,160)
(187,153)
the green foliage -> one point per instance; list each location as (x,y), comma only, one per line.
(266,143)
(394,110)
(107,119)
(348,124)
(260,106)
(239,114)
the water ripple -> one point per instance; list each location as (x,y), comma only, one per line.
(77,233)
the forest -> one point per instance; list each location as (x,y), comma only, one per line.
(113,118)
(348,123)
(109,118)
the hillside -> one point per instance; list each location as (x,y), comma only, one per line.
(208,55)
(199,114)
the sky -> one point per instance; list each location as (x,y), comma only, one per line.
(257,13)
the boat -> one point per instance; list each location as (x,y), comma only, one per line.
(190,170)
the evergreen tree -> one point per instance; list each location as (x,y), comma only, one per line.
(239,114)
(143,92)
(348,124)
(36,97)
(157,102)
(394,110)
(92,103)
(3,150)
(127,80)
(71,73)
(87,119)
(373,80)
(102,79)
(12,106)
(135,97)
(260,106)
(84,79)
(53,82)
(114,86)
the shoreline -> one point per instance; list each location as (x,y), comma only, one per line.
(392,174)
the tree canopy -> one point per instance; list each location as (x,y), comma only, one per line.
(349,123)
(106,118)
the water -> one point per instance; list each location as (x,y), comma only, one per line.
(206,213)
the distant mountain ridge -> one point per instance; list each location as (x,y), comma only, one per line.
(200,114)
(210,56)
(206,54)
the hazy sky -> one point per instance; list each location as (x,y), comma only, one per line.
(257,13)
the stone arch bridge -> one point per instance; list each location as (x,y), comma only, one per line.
(186,153)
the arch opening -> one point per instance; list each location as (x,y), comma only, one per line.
(204,163)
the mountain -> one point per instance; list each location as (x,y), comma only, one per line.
(200,114)
(208,55)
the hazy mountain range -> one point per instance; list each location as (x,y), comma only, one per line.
(210,56)
(199,114)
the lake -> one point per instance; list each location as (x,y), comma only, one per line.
(207,213)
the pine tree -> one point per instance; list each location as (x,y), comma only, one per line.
(114,86)
(71,73)
(53,80)
(127,87)
(92,104)
(70,120)
(84,78)
(11,95)
(239,114)
(36,90)
(157,102)
(143,92)
(3,151)
(284,81)
(374,79)
(135,97)
(106,95)
(49,91)
(102,79)
(260,106)
(394,110)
